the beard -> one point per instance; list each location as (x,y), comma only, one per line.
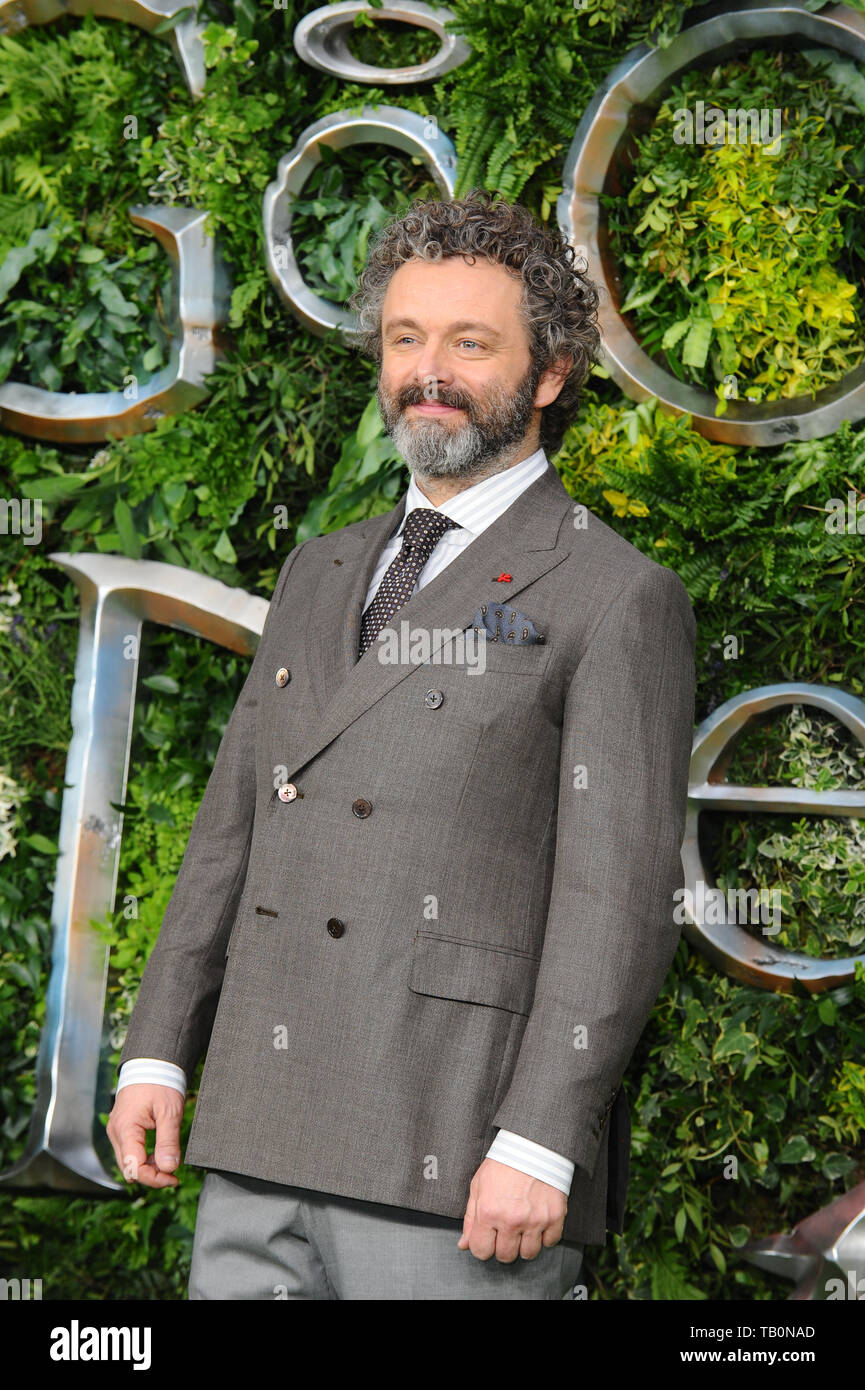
(478,447)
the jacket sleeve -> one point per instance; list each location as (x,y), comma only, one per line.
(610,934)
(176,1005)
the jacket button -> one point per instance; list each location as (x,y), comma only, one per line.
(287,792)
(283,676)
(361,807)
(335,927)
(433,699)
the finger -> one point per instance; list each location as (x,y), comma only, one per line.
(554,1232)
(150,1175)
(115,1143)
(482,1242)
(530,1245)
(468,1223)
(507,1245)
(133,1159)
(167,1147)
(129,1148)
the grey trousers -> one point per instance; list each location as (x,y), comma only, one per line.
(263,1240)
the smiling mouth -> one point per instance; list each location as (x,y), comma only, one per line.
(435,408)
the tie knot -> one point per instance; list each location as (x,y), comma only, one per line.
(425,527)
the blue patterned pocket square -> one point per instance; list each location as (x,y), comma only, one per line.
(500,622)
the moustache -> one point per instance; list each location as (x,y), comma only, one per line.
(418,397)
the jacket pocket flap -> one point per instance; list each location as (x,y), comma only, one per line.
(478,974)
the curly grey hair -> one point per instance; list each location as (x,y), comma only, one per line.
(559,304)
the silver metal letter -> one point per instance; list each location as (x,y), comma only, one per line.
(201,297)
(728,945)
(185,37)
(637,82)
(117,596)
(321,39)
(388,125)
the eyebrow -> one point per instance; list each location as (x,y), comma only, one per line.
(473,324)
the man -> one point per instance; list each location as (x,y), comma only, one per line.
(427,902)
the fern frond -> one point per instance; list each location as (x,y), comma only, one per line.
(476,146)
(35,179)
(19,218)
(500,155)
(698,574)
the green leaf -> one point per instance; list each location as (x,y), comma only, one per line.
(28,978)
(694,1213)
(40,246)
(809,473)
(675,332)
(40,843)
(669,1280)
(680,1223)
(166,25)
(54,489)
(370,425)
(174,493)
(129,538)
(827,1011)
(843,71)
(114,301)
(735,1040)
(82,515)
(837,1165)
(224,550)
(797,1150)
(167,684)
(696,348)
(640,300)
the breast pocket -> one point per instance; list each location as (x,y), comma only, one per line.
(510,658)
(475,972)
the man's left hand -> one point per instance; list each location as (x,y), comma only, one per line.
(510,1213)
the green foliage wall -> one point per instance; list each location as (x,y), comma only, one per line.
(776,1081)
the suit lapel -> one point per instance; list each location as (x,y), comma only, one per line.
(523,541)
(333,630)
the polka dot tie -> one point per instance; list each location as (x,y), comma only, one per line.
(422,532)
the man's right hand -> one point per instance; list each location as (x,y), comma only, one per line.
(138,1108)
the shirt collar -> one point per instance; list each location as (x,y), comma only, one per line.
(464,508)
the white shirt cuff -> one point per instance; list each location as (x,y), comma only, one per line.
(509,1148)
(152,1070)
(534,1159)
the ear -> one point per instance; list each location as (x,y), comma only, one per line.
(552,382)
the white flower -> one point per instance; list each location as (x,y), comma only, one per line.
(9,595)
(11,796)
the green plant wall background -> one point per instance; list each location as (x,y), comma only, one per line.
(776,1081)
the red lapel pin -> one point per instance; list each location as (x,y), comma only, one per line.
(504,579)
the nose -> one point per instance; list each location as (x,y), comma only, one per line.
(431,369)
